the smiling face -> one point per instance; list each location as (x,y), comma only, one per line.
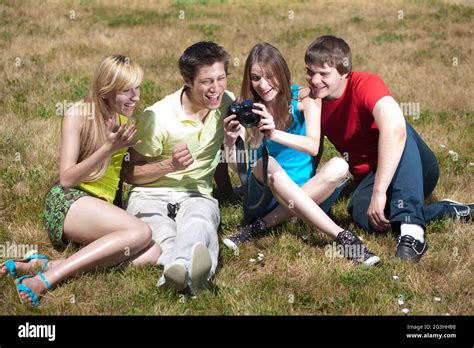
(263,84)
(325,82)
(208,87)
(124,102)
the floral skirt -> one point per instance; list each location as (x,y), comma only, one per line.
(56,205)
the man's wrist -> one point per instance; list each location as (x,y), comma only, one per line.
(168,166)
(379,191)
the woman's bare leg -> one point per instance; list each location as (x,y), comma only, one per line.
(319,187)
(32,266)
(111,236)
(296,201)
(147,256)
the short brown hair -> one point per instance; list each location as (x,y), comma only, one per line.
(200,54)
(330,50)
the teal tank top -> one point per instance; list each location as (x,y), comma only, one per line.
(299,166)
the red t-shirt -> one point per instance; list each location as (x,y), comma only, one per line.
(349,124)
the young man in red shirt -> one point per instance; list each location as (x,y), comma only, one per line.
(393,167)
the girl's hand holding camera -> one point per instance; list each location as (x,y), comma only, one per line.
(119,138)
(267,124)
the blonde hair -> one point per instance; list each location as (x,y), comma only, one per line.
(272,62)
(115,73)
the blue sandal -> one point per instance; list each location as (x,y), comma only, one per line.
(33,254)
(23,288)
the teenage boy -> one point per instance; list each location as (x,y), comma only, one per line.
(173,167)
(393,167)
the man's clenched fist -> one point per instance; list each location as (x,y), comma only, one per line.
(181,157)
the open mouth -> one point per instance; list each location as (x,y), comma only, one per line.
(129,105)
(267,92)
(317,88)
(213,98)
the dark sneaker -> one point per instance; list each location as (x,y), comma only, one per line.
(256,229)
(239,192)
(230,196)
(463,212)
(355,250)
(409,248)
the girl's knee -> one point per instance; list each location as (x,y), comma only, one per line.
(140,235)
(337,169)
(277,178)
(272,165)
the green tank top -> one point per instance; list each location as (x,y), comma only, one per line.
(106,186)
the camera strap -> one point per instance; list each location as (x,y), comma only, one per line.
(242,170)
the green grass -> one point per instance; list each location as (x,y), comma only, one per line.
(414,57)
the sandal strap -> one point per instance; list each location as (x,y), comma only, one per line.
(10,265)
(39,256)
(24,277)
(41,275)
(45,265)
(36,256)
(30,293)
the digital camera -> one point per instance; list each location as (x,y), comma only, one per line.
(244,113)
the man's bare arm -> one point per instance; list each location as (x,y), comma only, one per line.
(139,169)
(392,136)
(391,124)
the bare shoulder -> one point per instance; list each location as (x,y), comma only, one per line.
(74,116)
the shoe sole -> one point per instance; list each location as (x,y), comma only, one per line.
(455,202)
(230,244)
(175,276)
(372,261)
(200,267)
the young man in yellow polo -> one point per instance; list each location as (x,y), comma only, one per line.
(173,167)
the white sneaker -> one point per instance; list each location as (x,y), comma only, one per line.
(199,268)
(230,244)
(175,275)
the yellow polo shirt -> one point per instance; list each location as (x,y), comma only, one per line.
(164,125)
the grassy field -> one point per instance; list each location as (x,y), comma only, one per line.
(422,49)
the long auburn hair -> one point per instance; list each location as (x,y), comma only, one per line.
(114,73)
(276,69)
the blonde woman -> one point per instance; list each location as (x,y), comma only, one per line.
(78,207)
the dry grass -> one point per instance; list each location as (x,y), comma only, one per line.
(414,55)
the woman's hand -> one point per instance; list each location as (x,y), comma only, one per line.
(120,138)
(232,129)
(267,124)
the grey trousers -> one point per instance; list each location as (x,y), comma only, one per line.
(196,220)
